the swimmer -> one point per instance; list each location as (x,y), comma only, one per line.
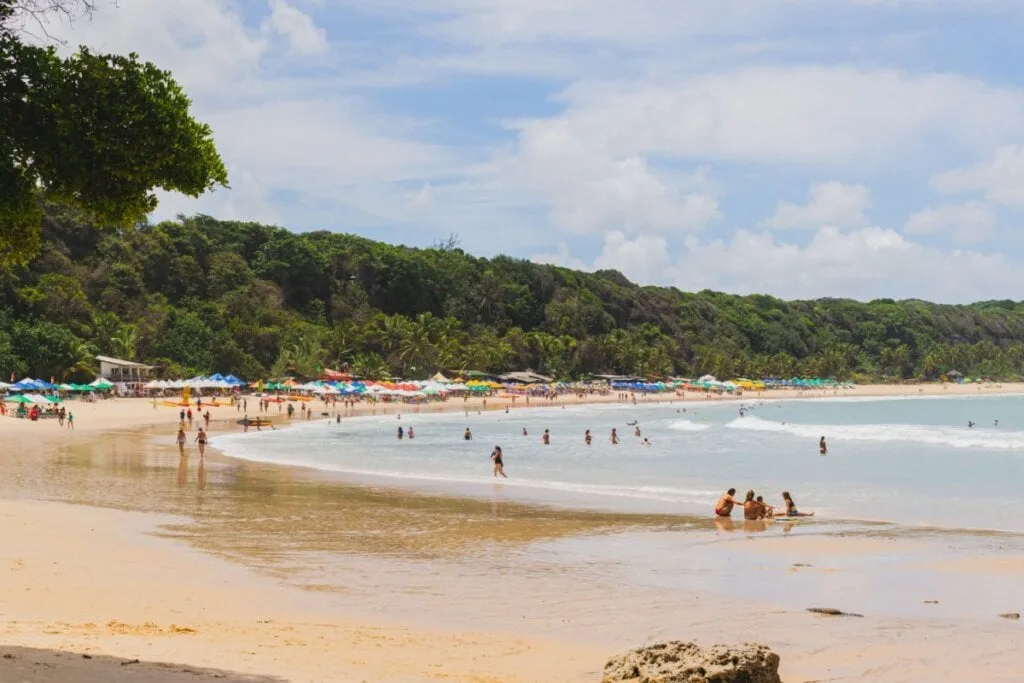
(499,465)
(525,432)
(412,435)
(587,437)
(614,438)
(468,436)
(546,438)
(401,433)
(646,442)
(723,508)
(636,432)
(822,447)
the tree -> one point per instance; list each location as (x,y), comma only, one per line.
(92,131)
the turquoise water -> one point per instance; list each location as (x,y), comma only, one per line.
(912,461)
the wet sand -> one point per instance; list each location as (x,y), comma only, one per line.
(113,546)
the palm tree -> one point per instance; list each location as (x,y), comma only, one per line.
(126,342)
(105,328)
(80,359)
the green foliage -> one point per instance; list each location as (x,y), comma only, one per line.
(199,295)
(94,132)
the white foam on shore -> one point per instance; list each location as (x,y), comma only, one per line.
(954,437)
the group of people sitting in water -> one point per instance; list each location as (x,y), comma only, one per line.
(755,507)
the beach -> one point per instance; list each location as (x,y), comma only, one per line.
(115,550)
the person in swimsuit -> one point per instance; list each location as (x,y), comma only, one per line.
(468,436)
(822,447)
(499,466)
(181,440)
(546,438)
(766,510)
(723,508)
(401,434)
(614,437)
(525,432)
(636,432)
(791,509)
(751,509)
(412,435)
(646,442)
(587,437)
(201,440)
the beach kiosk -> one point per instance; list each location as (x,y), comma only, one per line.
(128,376)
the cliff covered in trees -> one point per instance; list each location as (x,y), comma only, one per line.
(197,295)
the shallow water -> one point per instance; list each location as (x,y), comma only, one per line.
(912,461)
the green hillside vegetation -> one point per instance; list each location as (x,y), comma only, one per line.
(198,295)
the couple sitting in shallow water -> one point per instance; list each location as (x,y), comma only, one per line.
(756,508)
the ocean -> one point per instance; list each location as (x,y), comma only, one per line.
(908,461)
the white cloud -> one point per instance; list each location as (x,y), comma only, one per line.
(799,115)
(562,257)
(969,222)
(642,259)
(1000,179)
(304,36)
(589,190)
(830,203)
(863,264)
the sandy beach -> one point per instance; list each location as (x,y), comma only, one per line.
(120,561)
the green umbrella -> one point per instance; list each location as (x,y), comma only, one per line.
(18,399)
(54,399)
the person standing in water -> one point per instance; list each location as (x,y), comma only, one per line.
(587,437)
(636,431)
(181,440)
(468,436)
(614,438)
(546,438)
(401,434)
(499,465)
(822,447)
(201,440)
(412,434)
(525,433)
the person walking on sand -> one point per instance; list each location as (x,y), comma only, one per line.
(71,420)
(546,438)
(723,508)
(201,440)
(499,465)
(587,437)
(188,414)
(791,509)
(614,438)
(822,447)
(181,440)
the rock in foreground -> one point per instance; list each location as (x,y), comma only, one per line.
(679,662)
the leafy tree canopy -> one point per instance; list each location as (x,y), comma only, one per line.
(95,132)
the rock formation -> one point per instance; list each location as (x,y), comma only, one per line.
(680,662)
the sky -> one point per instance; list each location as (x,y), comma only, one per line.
(801,148)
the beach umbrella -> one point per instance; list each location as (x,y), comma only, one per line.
(20,398)
(100,383)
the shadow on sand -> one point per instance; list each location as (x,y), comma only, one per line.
(34,665)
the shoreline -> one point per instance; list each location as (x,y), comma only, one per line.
(240,575)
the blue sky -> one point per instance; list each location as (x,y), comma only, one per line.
(803,148)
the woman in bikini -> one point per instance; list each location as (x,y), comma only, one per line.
(791,509)
(499,466)
(181,440)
